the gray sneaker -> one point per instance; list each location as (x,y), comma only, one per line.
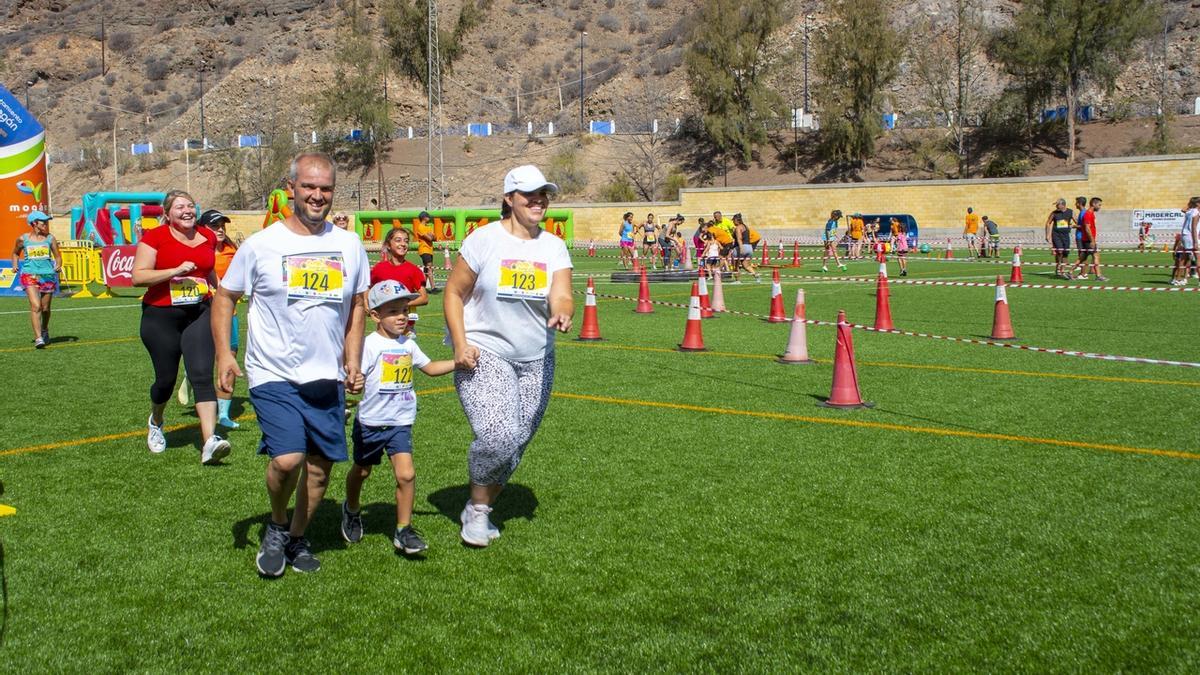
(300,555)
(271,558)
(352,529)
(408,540)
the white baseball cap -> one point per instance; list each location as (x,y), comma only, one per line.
(387,291)
(527,178)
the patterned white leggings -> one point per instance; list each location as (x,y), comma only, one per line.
(504,402)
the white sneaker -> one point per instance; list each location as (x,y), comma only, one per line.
(477,528)
(155,440)
(215,449)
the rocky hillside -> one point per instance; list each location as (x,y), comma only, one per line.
(260,64)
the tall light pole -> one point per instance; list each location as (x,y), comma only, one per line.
(582,34)
(28,84)
(203,136)
(807,18)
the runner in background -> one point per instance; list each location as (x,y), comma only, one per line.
(1080,210)
(650,240)
(625,234)
(830,239)
(36,258)
(223,254)
(174,261)
(1143,236)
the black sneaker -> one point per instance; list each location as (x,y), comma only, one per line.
(300,555)
(271,558)
(352,529)
(408,540)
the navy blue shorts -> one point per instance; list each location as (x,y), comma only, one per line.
(371,442)
(301,418)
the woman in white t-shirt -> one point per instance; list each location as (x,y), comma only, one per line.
(1186,243)
(510,289)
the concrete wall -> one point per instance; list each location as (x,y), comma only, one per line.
(1017,204)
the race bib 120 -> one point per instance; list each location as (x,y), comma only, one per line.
(523,280)
(314,277)
(188,290)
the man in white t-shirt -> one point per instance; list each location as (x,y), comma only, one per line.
(306,280)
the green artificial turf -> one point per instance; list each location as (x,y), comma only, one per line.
(692,512)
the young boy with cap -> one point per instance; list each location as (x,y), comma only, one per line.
(387,412)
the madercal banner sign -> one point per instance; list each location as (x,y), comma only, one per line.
(22,168)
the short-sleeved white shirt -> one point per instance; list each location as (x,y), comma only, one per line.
(301,290)
(1187,228)
(507,310)
(388,395)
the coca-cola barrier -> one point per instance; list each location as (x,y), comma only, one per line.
(117,265)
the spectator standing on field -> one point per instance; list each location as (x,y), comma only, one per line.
(306,280)
(1089,243)
(971,232)
(1058,234)
(508,293)
(991,245)
(423,232)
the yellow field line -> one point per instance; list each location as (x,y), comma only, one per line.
(1178,454)
(131,434)
(83,343)
(915,366)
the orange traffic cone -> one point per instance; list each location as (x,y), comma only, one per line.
(591,324)
(883,305)
(766,258)
(777,315)
(705,308)
(796,254)
(591,248)
(446,258)
(1001,322)
(780,254)
(845,392)
(644,305)
(718,294)
(949,250)
(693,336)
(1015,277)
(797,346)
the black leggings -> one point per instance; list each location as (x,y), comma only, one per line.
(169,332)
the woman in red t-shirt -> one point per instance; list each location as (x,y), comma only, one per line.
(393,266)
(175,262)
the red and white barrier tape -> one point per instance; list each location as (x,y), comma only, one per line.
(976,284)
(933,336)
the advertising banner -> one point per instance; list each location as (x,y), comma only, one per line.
(117,263)
(22,168)
(1159,219)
